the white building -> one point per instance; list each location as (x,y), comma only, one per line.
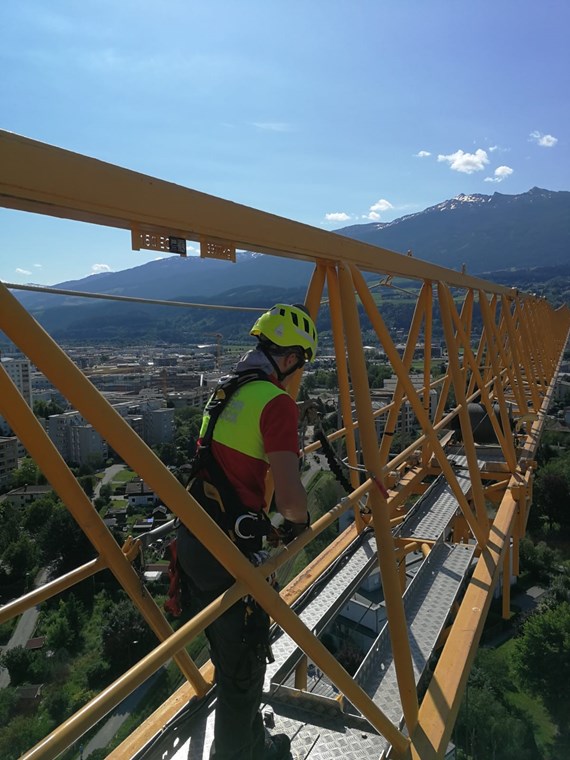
(158,426)
(18,370)
(76,440)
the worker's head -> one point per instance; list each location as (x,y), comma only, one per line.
(288,337)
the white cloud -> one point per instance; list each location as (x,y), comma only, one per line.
(38,266)
(272,126)
(422,154)
(493,148)
(545,141)
(381,205)
(466,163)
(373,216)
(98,268)
(503,171)
(500,173)
(337,216)
(22,271)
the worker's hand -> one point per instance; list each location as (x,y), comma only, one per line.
(290,530)
(283,531)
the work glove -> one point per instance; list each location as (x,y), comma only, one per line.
(289,530)
(283,531)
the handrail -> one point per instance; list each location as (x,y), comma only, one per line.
(518,356)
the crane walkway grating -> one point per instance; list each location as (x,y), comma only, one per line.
(321,608)
(432,515)
(427,602)
(319,725)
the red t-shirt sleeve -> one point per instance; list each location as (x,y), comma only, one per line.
(278,425)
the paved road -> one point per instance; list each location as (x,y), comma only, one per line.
(108,476)
(24,629)
(117,718)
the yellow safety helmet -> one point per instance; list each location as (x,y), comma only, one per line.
(287,326)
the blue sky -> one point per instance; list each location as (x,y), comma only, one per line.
(330,113)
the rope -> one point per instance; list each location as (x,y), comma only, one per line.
(129,299)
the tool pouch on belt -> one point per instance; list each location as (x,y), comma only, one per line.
(245,528)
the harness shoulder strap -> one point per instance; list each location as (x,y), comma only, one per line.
(223,392)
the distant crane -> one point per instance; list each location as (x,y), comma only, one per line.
(218,336)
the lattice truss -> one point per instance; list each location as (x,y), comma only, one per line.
(502,350)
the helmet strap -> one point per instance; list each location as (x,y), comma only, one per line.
(280,374)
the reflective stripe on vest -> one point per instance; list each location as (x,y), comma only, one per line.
(238,426)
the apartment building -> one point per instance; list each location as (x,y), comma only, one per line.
(8,459)
(76,440)
(18,370)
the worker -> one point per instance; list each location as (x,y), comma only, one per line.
(256,430)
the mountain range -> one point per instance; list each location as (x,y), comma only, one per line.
(486,233)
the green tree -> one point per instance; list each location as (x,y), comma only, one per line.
(63,542)
(487,728)
(552,491)
(38,513)
(541,560)
(22,733)
(126,637)
(11,524)
(21,556)
(18,663)
(7,705)
(87,482)
(45,409)
(27,474)
(541,660)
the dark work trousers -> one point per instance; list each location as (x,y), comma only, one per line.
(238,731)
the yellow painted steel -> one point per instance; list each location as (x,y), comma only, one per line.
(458,378)
(440,705)
(504,436)
(394,358)
(44,179)
(38,444)
(428,325)
(516,362)
(343,382)
(447,380)
(390,424)
(498,389)
(386,559)
(39,595)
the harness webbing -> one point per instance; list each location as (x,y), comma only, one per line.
(241,524)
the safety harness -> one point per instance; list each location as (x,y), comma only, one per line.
(210,485)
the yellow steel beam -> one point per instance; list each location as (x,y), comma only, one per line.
(510,454)
(521,359)
(446,305)
(439,708)
(54,363)
(36,441)
(504,438)
(397,399)
(39,595)
(428,325)
(386,559)
(447,380)
(396,362)
(49,180)
(343,381)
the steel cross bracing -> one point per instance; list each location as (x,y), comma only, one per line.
(520,341)
(321,608)
(321,726)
